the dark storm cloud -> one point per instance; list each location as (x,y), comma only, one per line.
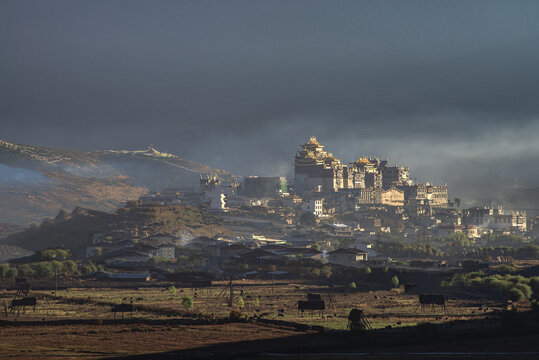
(239,84)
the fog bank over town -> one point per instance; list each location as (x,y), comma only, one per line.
(448,89)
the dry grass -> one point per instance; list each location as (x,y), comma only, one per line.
(382,308)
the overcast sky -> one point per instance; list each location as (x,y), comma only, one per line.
(449,88)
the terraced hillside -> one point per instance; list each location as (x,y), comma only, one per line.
(35,182)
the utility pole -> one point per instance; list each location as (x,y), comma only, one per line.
(231,300)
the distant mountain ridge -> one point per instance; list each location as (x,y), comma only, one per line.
(101,180)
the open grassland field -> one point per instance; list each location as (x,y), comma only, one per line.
(382,308)
(115,340)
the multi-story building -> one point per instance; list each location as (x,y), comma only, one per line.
(425,194)
(495,219)
(317,170)
(258,186)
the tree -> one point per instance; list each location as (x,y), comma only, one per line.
(385,269)
(307,218)
(256,303)
(457,202)
(3,271)
(187,302)
(57,266)
(70,267)
(172,290)
(26,270)
(43,270)
(352,285)
(11,273)
(315,246)
(395,281)
(89,268)
(368,270)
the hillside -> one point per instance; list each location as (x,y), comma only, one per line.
(36,182)
(75,230)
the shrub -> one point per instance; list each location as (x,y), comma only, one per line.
(11,273)
(525,289)
(385,269)
(26,270)
(534,283)
(395,281)
(43,270)
(368,270)
(89,268)
(505,269)
(240,302)
(516,295)
(3,270)
(352,285)
(172,290)
(256,303)
(187,302)
(70,267)
(235,315)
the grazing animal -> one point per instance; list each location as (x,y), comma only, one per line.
(311,305)
(24,302)
(432,299)
(408,287)
(122,308)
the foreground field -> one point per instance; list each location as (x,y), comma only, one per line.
(383,308)
(97,341)
(78,323)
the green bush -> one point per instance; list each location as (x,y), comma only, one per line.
(187,302)
(352,285)
(395,281)
(368,270)
(12,273)
(534,283)
(3,271)
(240,302)
(507,285)
(516,295)
(70,267)
(43,270)
(26,270)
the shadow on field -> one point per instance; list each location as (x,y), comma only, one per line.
(419,342)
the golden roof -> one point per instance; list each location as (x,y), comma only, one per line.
(312,141)
(362,160)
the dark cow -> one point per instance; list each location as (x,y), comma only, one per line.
(432,299)
(311,305)
(122,308)
(24,302)
(408,287)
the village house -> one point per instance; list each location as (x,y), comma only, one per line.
(348,257)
